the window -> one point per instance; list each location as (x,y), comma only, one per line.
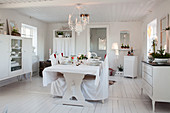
(163,25)
(151,36)
(28,31)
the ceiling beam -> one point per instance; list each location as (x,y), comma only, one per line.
(61,3)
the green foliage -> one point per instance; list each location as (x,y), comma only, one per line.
(122,46)
(120,67)
(168,28)
(1,24)
(60,33)
(82,57)
(161,54)
(15,30)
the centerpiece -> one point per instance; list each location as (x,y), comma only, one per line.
(161,57)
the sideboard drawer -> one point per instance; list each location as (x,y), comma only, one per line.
(147,69)
(147,87)
(147,77)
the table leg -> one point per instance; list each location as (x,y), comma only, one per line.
(73,82)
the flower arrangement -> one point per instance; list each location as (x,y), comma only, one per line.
(82,57)
(160,54)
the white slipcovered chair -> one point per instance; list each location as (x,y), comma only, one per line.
(89,89)
(55,59)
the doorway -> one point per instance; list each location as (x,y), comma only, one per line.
(97,40)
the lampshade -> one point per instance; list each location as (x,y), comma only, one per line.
(115,46)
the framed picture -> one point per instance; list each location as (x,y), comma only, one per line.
(10,25)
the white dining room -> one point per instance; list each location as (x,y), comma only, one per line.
(84,56)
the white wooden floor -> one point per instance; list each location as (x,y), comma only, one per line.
(31,97)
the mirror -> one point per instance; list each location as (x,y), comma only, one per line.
(98,41)
(124,37)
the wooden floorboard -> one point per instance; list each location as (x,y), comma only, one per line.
(31,97)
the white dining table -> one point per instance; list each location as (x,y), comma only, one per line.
(73,76)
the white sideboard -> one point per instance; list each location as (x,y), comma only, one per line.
(16,56)
(130,66)
(156,82)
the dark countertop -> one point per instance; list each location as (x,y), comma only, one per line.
(156,64)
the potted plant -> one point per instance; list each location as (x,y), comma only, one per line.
(60,34)
(161,56)
(128,46)
(120,68)
(15,32)
(125,46)
(1,25)
(168,28)
(122,46)
(1,28)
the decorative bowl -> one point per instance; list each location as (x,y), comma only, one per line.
(161,60)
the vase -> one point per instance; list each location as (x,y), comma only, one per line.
(60,36)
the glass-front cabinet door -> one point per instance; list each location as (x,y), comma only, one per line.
(16,54)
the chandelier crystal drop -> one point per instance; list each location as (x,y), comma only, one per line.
(81,20)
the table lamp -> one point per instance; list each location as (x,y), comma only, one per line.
(115,48)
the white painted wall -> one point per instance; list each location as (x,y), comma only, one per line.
(160,11)
(135,29)
(19,19)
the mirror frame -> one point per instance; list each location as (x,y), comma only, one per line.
(129,36)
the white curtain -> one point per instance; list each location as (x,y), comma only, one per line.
(63,45)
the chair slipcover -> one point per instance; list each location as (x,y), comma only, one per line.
(54,59)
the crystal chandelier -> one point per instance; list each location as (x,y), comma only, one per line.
(81,19)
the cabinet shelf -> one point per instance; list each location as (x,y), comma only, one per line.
(16,57)
(63,37)
(16,48)
(124,49)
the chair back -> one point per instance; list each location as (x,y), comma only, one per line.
(54,59)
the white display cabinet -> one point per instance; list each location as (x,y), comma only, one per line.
(16,56)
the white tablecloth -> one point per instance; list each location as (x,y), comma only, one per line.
(50,73)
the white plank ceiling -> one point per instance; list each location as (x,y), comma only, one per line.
(99,10)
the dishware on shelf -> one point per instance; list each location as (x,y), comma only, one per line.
(13,52)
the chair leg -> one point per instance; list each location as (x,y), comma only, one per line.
(30,76)
(103,101)
(25,76)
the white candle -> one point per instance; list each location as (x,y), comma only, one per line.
(76,21)
(50,51)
